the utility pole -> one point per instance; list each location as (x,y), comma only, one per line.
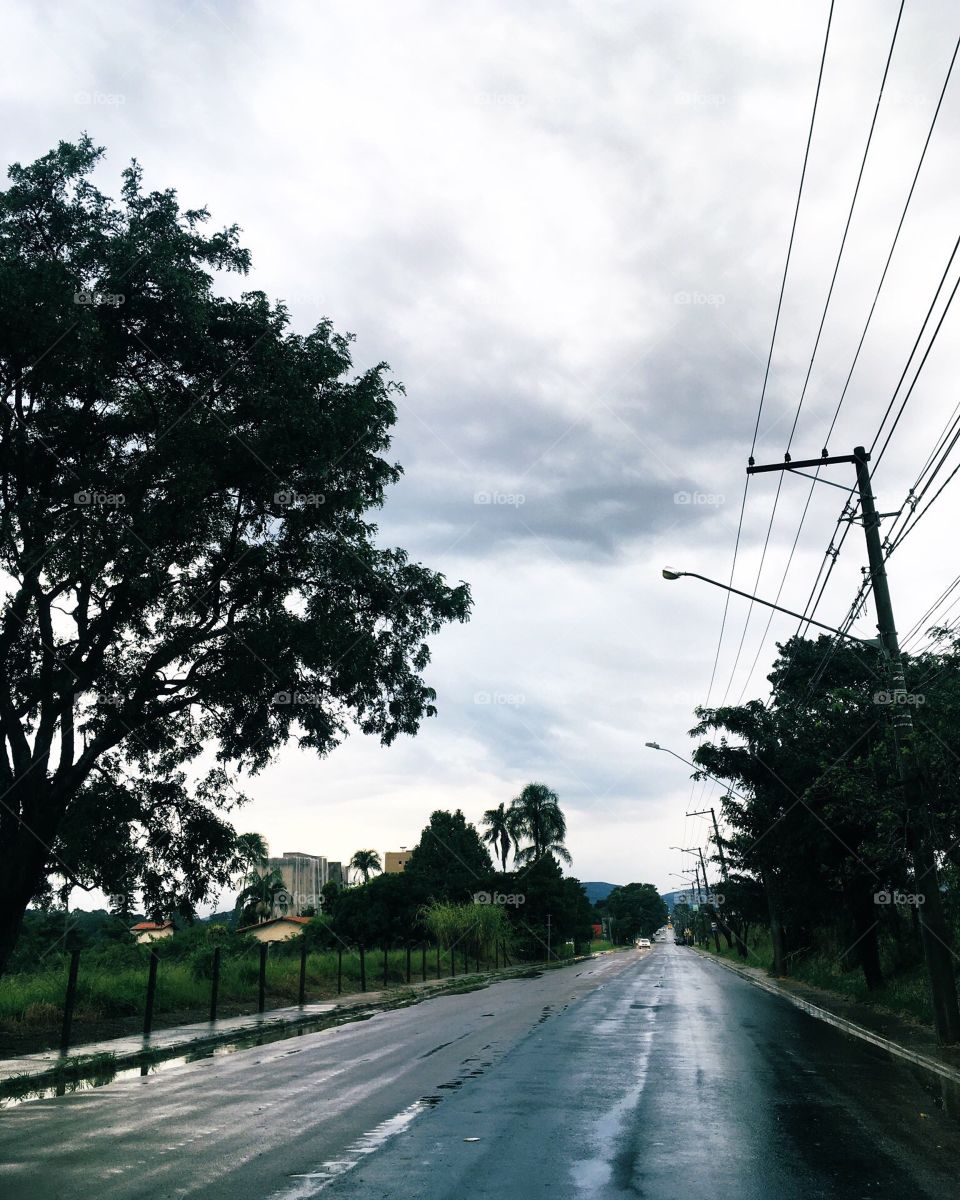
(741,945)
(710,907)
(933,927)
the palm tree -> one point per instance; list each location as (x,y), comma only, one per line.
(249,851)
(264,892)
(499,832)
(536,814)
(365,861)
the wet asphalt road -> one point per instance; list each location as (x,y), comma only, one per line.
(658,1076)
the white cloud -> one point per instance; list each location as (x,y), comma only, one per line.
(509,202)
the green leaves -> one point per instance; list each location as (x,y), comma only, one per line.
(185,489)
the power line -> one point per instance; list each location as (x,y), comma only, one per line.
(820,328)
(793,227)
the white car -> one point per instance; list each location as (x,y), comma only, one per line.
(643,943)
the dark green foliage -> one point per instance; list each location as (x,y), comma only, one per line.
(185,530)
(450,862)
(636,909)
(819,827)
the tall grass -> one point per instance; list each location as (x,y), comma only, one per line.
(107,988)
(904,991)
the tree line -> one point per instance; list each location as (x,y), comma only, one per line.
(819,843)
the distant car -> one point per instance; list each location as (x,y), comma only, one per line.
(643,943)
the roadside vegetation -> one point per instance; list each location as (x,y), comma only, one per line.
(903,993)
(451,900)
(820,870)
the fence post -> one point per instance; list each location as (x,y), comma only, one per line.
(466,960)
(303,971)
(363,970)
(69,1001)
(339,969)
(438,960)
(215,984)
(384,966)
(453,962)
(262,981)
(496,954)
(408,962)
(423,963)
(478,960)
(151,994)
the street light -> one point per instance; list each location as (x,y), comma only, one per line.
(657,746)
(670,573)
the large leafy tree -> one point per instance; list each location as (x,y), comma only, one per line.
(820,821)
(185,489)
(536,815)
(450,861)
(637,909)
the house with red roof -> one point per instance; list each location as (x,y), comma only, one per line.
(152,931)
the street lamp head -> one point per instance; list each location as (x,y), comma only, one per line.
(652,745)
(670,573)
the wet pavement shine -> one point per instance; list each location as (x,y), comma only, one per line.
(656,1074)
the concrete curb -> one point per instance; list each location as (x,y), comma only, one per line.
(46,1067)
(841,1023)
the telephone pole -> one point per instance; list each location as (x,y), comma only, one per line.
(728,927)
(935,935)
(710,907)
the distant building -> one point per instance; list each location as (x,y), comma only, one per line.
(152,931)
(303,878)
(394,861)
(276,930)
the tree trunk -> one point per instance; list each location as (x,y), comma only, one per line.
(776,929)
(22,863)
(865,950)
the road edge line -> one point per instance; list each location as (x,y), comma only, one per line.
(841,1023)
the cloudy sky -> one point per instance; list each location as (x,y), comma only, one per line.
(564,226)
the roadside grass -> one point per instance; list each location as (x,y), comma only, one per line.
(105,988)
(903,993)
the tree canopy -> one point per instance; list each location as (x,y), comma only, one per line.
(185,497)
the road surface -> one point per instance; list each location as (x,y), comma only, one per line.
(657,1075)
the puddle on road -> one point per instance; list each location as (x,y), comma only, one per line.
(84,1076)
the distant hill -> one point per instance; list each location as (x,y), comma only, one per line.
(598,891)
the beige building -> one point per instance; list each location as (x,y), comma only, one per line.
(276,930)
(152,931)
(303,878)
(394,861)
